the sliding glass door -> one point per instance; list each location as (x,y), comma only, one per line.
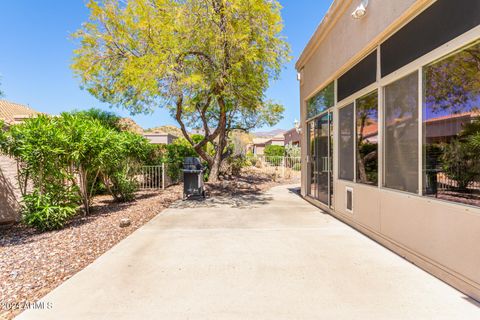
(320,164)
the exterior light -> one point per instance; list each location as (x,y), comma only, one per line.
(299,76)
(297,126)
(361,10)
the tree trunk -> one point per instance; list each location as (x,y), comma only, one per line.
(222,137)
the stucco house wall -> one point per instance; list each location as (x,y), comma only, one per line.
(9,191)
(438,236)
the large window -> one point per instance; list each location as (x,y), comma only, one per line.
(401,134)
(321,101)
(346,143)
(451,126)
(367,138)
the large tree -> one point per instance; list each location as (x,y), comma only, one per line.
(209,62)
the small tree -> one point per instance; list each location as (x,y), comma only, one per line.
(209,62)
(460,163)
(274,151)
(292,151)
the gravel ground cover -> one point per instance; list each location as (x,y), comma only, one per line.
(33,263)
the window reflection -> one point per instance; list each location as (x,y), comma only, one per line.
(452,127)
(321,101)
(367,139)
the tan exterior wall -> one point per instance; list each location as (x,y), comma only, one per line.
(9,193)
(160,138)
(438,236)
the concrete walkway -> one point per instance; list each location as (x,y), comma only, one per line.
(263,256)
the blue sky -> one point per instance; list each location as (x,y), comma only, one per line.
(35,54)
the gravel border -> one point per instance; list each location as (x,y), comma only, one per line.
(33,263)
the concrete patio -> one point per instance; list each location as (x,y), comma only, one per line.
(257,256)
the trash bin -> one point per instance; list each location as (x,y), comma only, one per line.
(193,184)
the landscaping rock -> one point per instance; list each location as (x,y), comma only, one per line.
(125,222)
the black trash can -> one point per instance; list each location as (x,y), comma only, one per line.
(193,184)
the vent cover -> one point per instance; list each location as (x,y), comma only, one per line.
(349,199)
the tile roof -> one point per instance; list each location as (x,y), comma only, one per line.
(13,113)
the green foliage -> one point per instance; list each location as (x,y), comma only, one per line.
(274,151)
(237,163)
(292,151)
(48,211)
(460,163)
(209,62)
(174,155)
(66,157)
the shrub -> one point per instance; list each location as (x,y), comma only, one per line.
(69,156)
(236,164)
(297,167)
(124,187)
(274,151)
(45,212)
(292,151)
(460,163)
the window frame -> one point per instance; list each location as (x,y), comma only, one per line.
(417,65)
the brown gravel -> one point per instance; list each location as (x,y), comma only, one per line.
(33,263)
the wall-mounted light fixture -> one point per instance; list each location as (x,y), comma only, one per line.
(299,76)
(297,126)
(361,10)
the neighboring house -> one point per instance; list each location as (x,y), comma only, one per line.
(292,137)
(407,69)
(258,146)
(160,138)
(10,197)
(278,140)
(13,113)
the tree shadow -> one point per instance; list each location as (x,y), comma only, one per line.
(239,192)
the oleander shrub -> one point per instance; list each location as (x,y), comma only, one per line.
(68,159)
(48,211)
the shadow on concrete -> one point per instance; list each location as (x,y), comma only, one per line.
(240,200)
(472,301)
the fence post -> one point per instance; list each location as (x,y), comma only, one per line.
(163,175)
(283,168)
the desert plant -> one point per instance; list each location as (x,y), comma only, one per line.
(50,210)
(460,163)
(274,151)
(292,151)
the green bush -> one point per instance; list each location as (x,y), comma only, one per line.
(460,163)
(75,154)
(45,212)
(124,187)
(274,151)
(236,164)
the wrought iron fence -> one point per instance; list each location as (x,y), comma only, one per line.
(285,167)
(159,177)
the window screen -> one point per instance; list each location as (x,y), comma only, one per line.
(358,77)
(346,143)
(441,22)
(401,134)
